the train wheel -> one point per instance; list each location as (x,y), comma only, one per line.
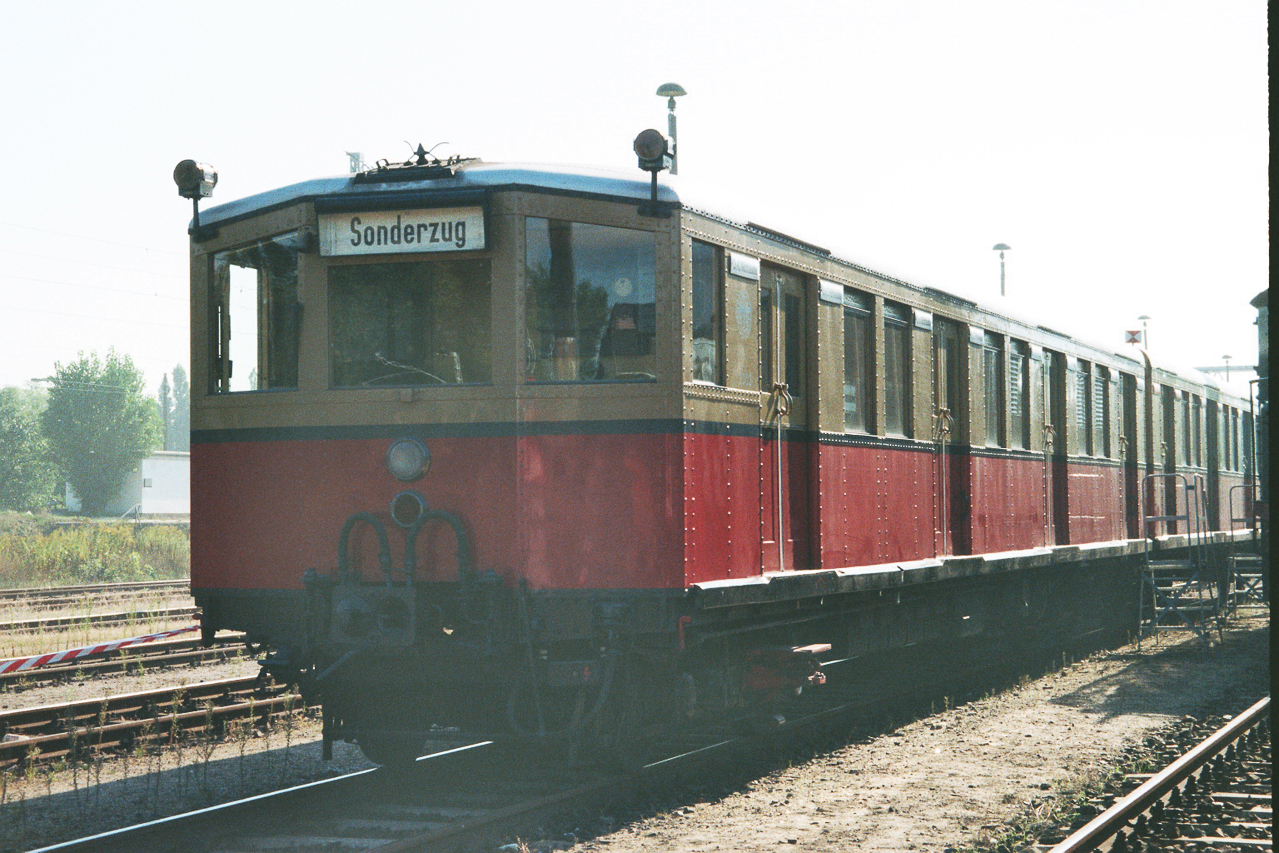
(614,736)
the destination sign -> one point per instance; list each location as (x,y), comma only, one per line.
(385,232)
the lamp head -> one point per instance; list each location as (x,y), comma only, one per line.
(194,180)
(653,151)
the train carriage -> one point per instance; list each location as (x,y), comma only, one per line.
(513,450)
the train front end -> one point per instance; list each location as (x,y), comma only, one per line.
(436,430)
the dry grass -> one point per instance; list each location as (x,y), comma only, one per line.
(35,553)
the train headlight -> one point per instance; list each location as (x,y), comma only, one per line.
(408,459)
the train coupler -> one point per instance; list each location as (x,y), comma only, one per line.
(773,672)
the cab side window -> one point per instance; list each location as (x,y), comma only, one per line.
(255,316)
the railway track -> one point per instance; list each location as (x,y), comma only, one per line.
(1226,807)
(475,794)
(92,590)
(127,617)
(91,726)
(155,655)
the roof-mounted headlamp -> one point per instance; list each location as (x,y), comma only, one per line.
(654,155)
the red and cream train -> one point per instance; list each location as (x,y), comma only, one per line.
(516,451)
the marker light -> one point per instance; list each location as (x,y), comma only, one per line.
(408,459)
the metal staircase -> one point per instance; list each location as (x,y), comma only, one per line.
(1180,590)
(1245,567)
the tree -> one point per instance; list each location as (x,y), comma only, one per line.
(99,425)
(26,477)
(180,434)
(165,401)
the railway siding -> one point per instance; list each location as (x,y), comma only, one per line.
(52,731)
(129,617)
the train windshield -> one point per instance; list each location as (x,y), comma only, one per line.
(589,303)
(256,316)
(423,323)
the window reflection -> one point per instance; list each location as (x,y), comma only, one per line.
(589,306)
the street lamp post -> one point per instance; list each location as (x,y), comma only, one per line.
(671,91)
(1001,248)
(1145,331)
(1226,359)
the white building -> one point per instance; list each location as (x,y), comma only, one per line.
(161,485)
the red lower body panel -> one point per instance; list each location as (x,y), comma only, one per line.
(562,511)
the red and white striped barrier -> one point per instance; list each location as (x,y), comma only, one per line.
(34,661)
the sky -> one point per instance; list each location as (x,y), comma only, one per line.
(1119,147)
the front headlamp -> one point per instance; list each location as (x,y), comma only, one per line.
(408,459)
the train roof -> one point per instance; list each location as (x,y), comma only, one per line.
(465,177)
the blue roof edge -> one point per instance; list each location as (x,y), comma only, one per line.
(476,177)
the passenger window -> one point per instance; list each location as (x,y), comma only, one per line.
(1083,408)
(707,344)
(256,316)
(1233,453)
(993,369)
(589,303)
(896,369)
(765,339)
(1197,430)
(1019,395)
(420,323)
(1101,411)
(1185,429)
(859,358)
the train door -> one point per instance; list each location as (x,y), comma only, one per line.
(1168,455)
(1055,395)
(950,481)
(784,448)
(1217,519)
(1128,454)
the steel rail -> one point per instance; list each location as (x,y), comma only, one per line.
(1107,824)
(45,604)
(97,619)
(89,589)
(88,708)
(152,728)
(97,722)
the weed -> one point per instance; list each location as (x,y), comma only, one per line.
(207,746)
(240,731)
(289,722)
(32,759)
